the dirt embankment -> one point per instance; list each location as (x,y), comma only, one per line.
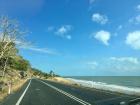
(63,81)
(14,87)
(10,83)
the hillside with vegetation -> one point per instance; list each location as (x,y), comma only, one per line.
(14,69)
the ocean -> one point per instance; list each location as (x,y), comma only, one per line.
(129,81)
(122,84)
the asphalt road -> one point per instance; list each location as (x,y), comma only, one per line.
(42,92)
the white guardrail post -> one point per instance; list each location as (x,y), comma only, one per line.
(9,87)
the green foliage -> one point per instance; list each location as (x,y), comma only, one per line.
(39,73)
(19,64)
(10,35)
(8,53)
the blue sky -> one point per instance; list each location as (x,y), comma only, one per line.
(80,37)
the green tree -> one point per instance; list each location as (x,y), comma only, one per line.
(19,63)
(10,35)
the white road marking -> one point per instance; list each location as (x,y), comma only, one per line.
(21,97)
(135,99)
(109,99)
(67,94)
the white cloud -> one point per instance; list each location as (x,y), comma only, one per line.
(93,64)
(124,64)
(103,36)
(27,46)
(91,2)
(135,20)
(102,19)
(41,50)
(126,59)
(133,39)
(138,7)
(116,65)
(64,31)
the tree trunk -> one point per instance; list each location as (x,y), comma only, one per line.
(4,68)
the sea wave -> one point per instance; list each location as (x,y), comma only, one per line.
(107,87)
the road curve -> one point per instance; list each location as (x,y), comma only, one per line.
(42,92)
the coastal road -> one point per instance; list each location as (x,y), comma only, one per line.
(43,92)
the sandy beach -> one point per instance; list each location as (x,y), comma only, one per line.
(62,80)
(100,87)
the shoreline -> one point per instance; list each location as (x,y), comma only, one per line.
(62,80)
(118,90)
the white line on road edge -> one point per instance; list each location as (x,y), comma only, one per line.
(21,97)
(67,94)
(135,99)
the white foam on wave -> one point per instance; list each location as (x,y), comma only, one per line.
(108,87)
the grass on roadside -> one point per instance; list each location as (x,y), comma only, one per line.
(17,84)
